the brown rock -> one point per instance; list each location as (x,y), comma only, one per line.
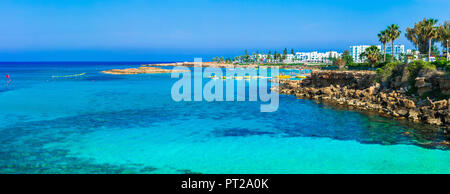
(444,85)
(408,103)
(437,105)
(413,115)
(402,112)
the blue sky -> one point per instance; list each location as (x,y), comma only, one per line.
(138,30)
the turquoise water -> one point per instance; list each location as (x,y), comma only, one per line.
(99,123)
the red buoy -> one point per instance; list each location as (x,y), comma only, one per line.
(7,76)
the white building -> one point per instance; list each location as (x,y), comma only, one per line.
(289,57)
(399,49)
(315,56)
(355,52)
(332,54)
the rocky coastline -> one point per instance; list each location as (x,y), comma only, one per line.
(140,70)
(359,90)
(225,65)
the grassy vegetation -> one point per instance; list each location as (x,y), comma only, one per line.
(414,69)
(386,71)
(442,64)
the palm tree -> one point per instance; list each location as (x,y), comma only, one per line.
(417,36)
(430,31)
(372,54)
(444,34)
(393,33)
(383,38)
(285,52)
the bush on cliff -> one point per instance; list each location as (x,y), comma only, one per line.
(418,65)
(414,69)
(442,64)
(386,71)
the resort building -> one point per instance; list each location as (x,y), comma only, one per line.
(399,49)
(332,54)
(290,57)
(315,57)
(355,52)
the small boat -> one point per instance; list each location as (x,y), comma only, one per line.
(53,76)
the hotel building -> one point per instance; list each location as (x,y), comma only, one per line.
(399,49)
(315,56)
(355,51)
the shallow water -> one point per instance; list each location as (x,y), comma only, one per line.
(99,123)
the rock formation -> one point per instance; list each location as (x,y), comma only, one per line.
(140,70)
(359,90)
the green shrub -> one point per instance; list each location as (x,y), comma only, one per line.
(416,66)
(383,73)
(365,64)
(414,69)
(443,64)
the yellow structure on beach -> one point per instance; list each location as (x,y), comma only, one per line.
(283,76)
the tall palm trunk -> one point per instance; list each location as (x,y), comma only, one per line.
(393,50)
(384,52)
(429,49)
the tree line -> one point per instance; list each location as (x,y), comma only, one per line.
(423,35)
(255,57)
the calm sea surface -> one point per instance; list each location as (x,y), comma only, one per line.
(97,123)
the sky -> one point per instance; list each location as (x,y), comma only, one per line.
(177,30)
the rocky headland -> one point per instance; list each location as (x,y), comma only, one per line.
(140,70)
(194,64)
(225,65)
(395,96)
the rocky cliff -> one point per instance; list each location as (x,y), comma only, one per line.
(360,90)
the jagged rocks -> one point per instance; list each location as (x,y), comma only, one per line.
(444,85)
(407,103)
(351,79)
(413,115)
(422,86)
(372,97)
(438,105)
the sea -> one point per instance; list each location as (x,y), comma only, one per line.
(68,117)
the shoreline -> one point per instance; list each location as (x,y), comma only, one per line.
(139,70)
(357,90)
(154,68)
(225,65)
